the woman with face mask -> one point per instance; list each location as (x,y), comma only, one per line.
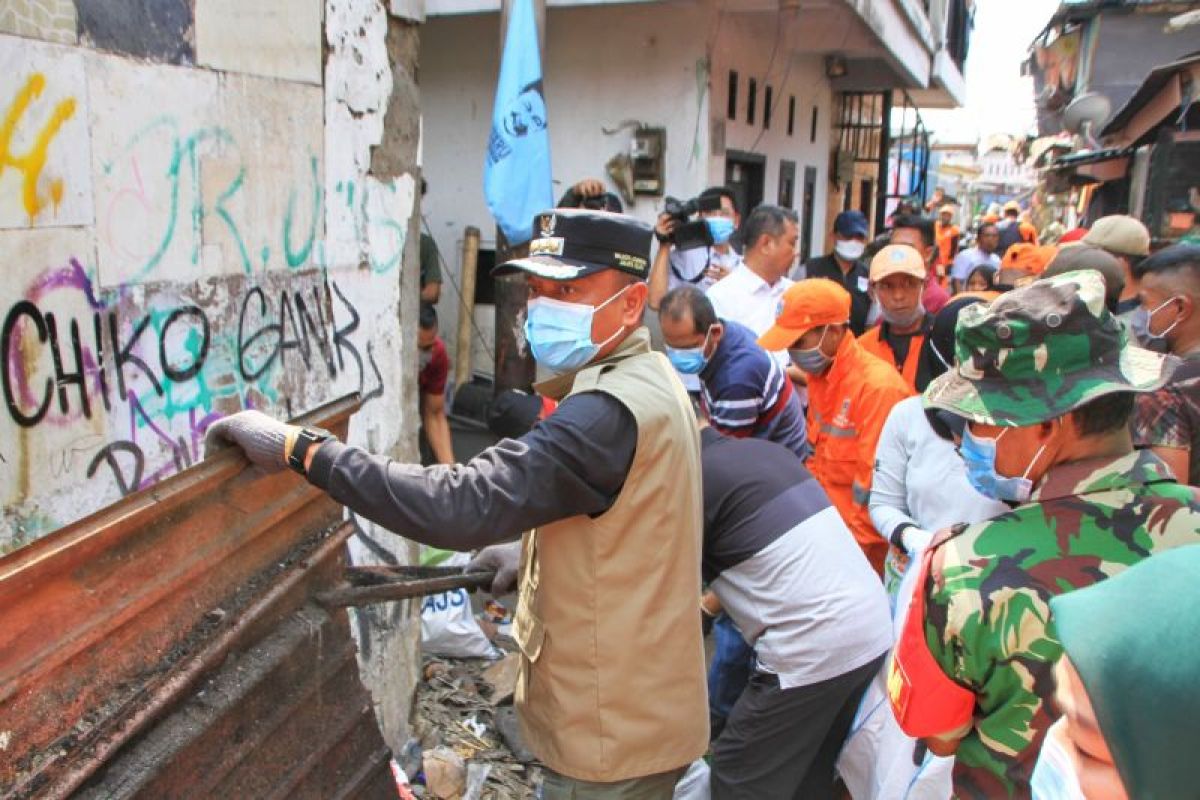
(920,486)
(1126,686)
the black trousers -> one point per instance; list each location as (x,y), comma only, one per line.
(782,744)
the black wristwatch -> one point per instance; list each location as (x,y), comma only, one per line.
(306,438)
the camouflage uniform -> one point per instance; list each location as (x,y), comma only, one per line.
(1034,355)
(987,621)
(1170,417)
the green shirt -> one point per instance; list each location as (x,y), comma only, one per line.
(431,272)
(988,618)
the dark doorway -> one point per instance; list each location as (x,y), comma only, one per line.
(745,173)
(787,183)
(806,220)
(866,197)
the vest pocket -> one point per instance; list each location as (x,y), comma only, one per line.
(529,633)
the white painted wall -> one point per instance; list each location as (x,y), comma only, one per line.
(745,44)
(603,66)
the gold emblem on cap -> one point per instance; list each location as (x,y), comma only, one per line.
(548,222)
(546,246)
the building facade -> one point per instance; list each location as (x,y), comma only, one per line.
(783,100)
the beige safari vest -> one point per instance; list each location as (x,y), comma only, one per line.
(612,681)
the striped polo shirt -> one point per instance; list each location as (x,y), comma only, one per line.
(746,393)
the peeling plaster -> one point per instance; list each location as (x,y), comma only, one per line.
(367,224)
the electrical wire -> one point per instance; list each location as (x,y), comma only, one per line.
(770,65)
(457,289)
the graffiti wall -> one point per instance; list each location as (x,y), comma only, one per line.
(166,260)
(191,224)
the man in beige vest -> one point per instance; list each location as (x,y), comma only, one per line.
(612,694)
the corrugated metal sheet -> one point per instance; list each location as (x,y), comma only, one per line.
(169,646)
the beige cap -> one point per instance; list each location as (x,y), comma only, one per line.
(897,259)
(1119,234)
(1012,205)
(1079,255)
(946,209)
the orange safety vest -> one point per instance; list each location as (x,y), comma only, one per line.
(847,407)
(925,701)
(873,342)
(946,235)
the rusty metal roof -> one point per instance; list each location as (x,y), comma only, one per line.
(169,646)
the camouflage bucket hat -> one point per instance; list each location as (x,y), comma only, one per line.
(1037,352)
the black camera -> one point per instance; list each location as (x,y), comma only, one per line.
(689,235)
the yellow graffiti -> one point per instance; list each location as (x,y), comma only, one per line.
(31,163)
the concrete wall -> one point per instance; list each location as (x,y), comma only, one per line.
(656,64)
(745,44)
(200,212)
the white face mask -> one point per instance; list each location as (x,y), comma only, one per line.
(1054,775)
(849,249)
(903,320)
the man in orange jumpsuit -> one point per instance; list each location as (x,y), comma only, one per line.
(850,394)
(897,281)
(947,241)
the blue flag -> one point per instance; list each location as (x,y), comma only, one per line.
(516,177)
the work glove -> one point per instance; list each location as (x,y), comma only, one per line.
(505,560)
(915,540)
(261,438)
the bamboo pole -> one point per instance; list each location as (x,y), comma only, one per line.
(466,306)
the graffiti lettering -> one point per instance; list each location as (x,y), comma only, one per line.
(127,484)
(33,161)
(28,310)
(63,378)
(173,372)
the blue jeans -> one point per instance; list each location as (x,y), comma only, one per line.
(729,672)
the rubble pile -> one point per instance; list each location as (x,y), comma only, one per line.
(467,745)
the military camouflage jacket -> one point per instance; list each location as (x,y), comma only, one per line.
(987,621)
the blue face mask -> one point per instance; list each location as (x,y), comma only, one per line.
(689,360)
(720,228)
(813,360)
(980,457)
(560,333)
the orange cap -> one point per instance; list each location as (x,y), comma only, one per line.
(806,305)
(1030,258)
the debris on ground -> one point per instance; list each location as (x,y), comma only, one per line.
(463,711)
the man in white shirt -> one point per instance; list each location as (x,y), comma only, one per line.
(987,239)
(752,292)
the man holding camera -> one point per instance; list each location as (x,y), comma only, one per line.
(676,264)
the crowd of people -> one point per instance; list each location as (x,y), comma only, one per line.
(923,493)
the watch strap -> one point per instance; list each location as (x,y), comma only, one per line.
(305,439)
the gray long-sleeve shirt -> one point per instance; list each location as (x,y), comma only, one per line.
(573,462)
